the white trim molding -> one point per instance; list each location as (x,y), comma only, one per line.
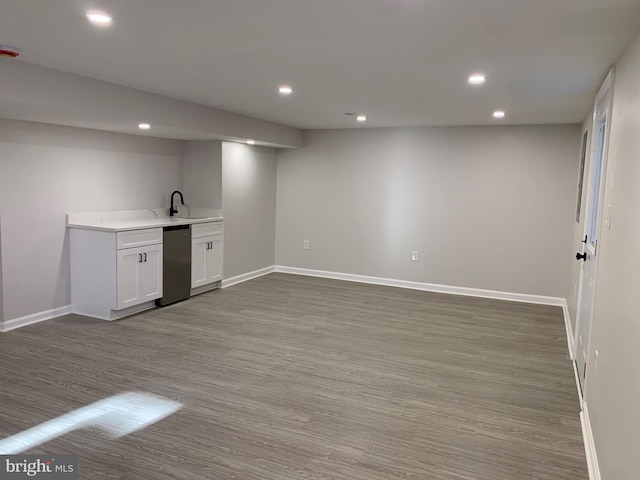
(34,318)
(575,374)
(427,287)
(245,277)
(606,87)
(589,445)
(569,328)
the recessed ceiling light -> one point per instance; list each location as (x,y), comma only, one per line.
(99,18)
(477,79)
(144,126)
(251,142)
(499,114)
(285,90)
(361,118)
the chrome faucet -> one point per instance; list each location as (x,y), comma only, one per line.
(172,210)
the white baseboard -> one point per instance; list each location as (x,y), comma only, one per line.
(34,318)
(569,330)
(227,282)
(575,374)
(427,287)
(589,445)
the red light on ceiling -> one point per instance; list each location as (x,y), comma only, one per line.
(9,52)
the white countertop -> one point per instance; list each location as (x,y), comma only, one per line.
(137,219)
(123,225)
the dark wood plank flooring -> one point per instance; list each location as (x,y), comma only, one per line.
(288,377)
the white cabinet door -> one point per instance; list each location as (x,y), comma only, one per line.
(213,266)
(128,277)
(199,251)
(139,272)
(206,260)
(151,273)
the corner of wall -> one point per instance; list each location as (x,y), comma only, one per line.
(249,179)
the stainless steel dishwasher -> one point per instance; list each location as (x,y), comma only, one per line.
(176,265)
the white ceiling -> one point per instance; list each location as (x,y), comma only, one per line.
(401,62)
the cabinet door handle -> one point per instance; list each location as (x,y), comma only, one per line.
(145,257)
(140,259)
(210,245)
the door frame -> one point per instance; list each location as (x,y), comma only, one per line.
(606,90)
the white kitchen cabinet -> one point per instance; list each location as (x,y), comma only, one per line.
(138,238)
(117,260)
(139,275)
(128,277)
(206,254)
(206,260)
(110,281)
(151,273)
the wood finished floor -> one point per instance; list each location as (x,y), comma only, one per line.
(288,377)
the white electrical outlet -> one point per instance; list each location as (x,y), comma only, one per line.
(415,256)
(306,245)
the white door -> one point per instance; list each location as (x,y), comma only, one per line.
(213,267)
(128,277)
(199,251)
(151,273)
(589,255)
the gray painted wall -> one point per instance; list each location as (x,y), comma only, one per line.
(48,171)
(249,205)
(613,390)
(202,174)
(487,207)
